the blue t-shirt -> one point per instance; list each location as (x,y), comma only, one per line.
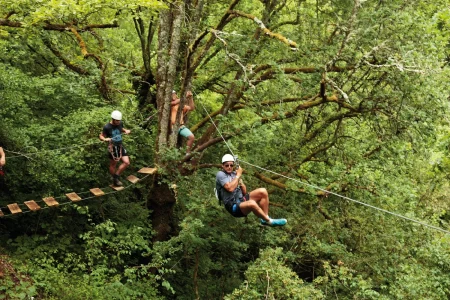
(223,178)
(114,132)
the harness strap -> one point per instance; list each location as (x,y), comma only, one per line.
(115,150)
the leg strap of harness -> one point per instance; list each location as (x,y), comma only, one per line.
(116,151)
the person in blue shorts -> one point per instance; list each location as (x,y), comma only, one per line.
(232,191)
(183,130)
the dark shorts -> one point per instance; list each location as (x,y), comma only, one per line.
(234,209)
(116,151)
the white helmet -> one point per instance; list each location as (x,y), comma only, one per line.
(227,157)
(116,115)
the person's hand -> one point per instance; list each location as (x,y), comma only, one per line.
(239,171)
(107,139)
(127,131)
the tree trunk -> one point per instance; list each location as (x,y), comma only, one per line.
(161,199)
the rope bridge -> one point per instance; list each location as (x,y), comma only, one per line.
(32,205)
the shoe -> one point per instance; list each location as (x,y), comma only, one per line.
(264,222)
(278,222)
(116,181)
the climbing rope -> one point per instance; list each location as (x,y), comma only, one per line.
(70,202)
(324,190)
(23,206)
(50,150)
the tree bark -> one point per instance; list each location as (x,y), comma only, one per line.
(161,199)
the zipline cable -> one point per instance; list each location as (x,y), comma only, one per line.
(348,198)
(217,129)
(324,190)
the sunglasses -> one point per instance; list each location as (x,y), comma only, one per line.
(228,165)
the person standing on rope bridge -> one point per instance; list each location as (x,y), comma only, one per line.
(112,133)
(232,191)
(183,130)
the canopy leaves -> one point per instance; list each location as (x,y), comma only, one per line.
(328,104)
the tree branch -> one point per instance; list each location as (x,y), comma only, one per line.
(54,27)
(326,123)
(223,21)
(277,36)
(8,23)
(100,65)
(93,26)
(66,62)
(10,14)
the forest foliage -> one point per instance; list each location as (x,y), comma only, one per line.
(327,103)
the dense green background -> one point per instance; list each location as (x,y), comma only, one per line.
(378,132)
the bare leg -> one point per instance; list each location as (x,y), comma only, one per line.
(251,206)
(190,141)
(112,166)
(262,199)
(124,165)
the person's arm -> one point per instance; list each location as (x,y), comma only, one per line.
(103,136)
(175,100)
(186,108)
(233,184)
(243,186)
(173,115)
(190,100)
(126,131)
(3,157)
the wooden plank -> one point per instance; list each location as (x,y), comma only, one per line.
(117,188)
(32,205)
(14,208)
(73,197)
(50,201)
(1,213)
(148,170)
(132,179)
(97,192)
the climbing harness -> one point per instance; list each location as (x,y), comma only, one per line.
(115,150)
(231,204)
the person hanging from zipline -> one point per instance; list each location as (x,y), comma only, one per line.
(112,133)
(232,192)
(183,130)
